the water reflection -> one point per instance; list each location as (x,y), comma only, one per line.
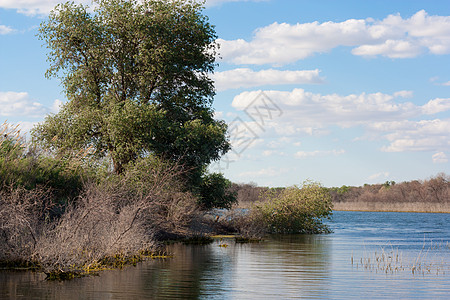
(293,264)
(299,266)
(282,267)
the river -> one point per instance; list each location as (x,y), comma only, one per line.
(370,255)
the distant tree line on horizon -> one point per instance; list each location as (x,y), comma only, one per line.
(433,190)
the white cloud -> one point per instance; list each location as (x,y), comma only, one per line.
(39,7)
(436,105)
(379,175)
(424,135)
(218,115)
(308,154)
(245,78)
(404,94)
(310,114)
(13,104)
(390,48)
(20,104)
(5,30)
(219,2)
(392,37)
(311,111)
(439,157)
(267,153)
(57,104)
(35,7)
(435,80)
(284,43)
(266,172)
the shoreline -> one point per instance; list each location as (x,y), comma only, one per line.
(414,207)
(398,211)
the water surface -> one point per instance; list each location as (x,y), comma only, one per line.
(332,266)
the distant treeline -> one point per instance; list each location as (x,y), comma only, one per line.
(433,190)
(430,195)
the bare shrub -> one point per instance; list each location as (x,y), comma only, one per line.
(438,188)
(95,227)
(23,215)
(249,193)
(249,225)
(160,189)
(118,216)
(427,195)
(115,216)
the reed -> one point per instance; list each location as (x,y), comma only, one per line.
(431,195)
(425,207)
(433,258)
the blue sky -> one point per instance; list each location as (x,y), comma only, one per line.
(340,92)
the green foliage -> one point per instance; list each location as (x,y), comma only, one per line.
(343,189)
(136,77)
(388,184)
(215,192)
(22,166)
(30,172)
(295,209)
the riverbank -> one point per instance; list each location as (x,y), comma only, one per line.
(280,267)
(416,207)
(431,195)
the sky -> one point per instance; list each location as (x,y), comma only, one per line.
(342,92)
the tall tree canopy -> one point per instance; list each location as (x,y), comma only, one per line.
(135,74)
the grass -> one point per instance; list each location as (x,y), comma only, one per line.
(432,259)
(417,207)
(117,261)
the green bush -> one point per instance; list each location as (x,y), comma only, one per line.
(215,192)
(295,210)
(22,165)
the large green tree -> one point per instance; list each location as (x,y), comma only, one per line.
(135,74)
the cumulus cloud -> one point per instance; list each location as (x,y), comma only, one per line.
(308,154)
(435,80)
(436,106)
(390,48)
(34,7)
(57,104)
(21,104)
(39,7)
(403,94)
(5,30)
(246,78)
(313,110)
(394,37)
(265,172)
(219,2)
(407,135)
(310,114)
(439,158)
(379,175)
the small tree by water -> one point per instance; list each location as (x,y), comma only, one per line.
(297,209)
